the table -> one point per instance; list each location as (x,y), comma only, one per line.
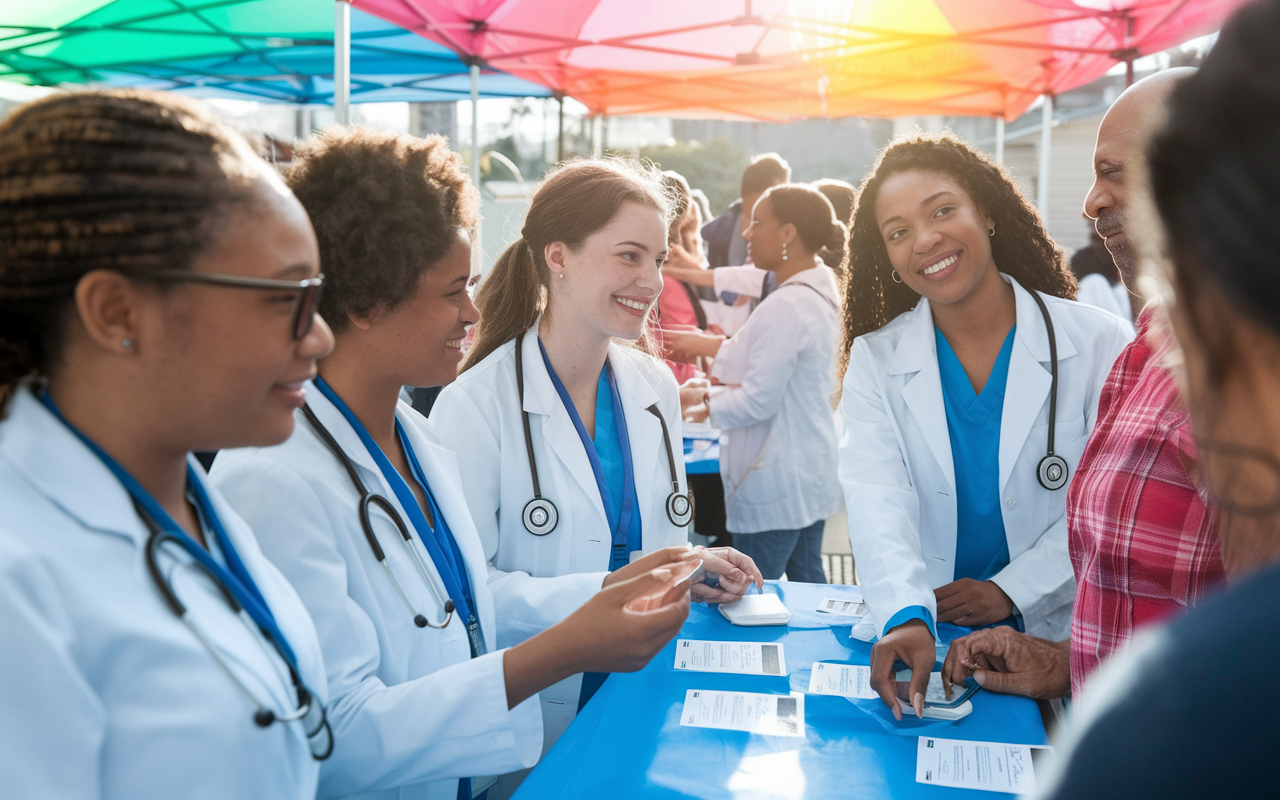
(628,741)
(703,460)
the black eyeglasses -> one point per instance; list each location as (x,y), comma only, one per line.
(304,313)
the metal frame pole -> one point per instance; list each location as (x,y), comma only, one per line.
(341,62)
(475,164)
(1046,145)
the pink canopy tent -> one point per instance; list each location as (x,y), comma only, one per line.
(790,59)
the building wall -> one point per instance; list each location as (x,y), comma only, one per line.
(1070,176)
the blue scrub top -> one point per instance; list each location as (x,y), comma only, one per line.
(609,451)
(973,422)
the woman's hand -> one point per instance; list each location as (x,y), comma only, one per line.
(911,643)
(619,629)
(693,392)
(734,573)
(686,347)
(685,267)
(666,557)
(968,602)
(1005,661)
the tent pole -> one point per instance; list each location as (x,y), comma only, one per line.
(1046,142)
(595,136)
(476,242)
(560,133)
(999,140)
(341,62)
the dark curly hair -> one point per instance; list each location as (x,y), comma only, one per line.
(122,180)
(386,207)
(1021,247)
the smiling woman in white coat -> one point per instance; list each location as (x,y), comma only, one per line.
(157,288)
(972,385)
(568,436)
(363,510)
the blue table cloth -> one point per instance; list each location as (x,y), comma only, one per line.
(628,741)
(701,459)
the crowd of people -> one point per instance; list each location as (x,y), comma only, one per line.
(357,599)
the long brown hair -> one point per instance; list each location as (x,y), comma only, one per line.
(576,200)
(1021,246)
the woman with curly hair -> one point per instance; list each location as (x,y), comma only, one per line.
(963,342)
(365,514)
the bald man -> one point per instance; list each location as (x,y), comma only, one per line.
(1143,543)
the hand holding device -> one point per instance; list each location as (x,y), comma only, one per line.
(1003,660)
(911,643)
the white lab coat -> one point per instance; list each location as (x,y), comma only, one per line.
(412,711)
(104,692)
(899,476)
(539,580)
(779,460)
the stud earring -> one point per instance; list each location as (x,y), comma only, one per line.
(127,343)
(562,275)
(894,275)
(784,251)
(991,231)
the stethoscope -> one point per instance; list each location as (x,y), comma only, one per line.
(1052,471)
(369,499)
(312,714)
(540,515)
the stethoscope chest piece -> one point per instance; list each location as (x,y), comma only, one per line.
(679,509)
(1052,472)
(540,516)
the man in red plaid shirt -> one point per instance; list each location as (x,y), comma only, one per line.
(1143,543)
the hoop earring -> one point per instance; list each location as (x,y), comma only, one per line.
(991,231)
(784,251)
(894,275)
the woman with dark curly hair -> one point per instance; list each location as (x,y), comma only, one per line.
(365,512)
(962,345)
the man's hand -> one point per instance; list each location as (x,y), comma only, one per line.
(912,643)
(968,602)
(1005,661)
(735,573)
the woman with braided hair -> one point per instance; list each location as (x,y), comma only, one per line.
(158,286)
(972,382)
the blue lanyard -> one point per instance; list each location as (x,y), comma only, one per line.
(624,526)
(439,541)
(234,576)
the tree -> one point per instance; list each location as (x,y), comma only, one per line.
(716,168)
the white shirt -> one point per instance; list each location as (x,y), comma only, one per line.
(539,580)
(411,710)
(779,460)
(105,692)
(1096,290)
(899,476)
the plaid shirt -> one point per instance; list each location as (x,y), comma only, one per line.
(1143,543)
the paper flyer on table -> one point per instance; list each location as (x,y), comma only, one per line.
(738,658)
(845,680)
(765,714)
(987,766)
(843,606)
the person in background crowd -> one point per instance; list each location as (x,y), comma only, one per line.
(1144,543)
(158,288)
(1172,717)
(552,383)
(678,306)
(953,286)
(723,235)
(1100,283)
(778,464)
(842,197)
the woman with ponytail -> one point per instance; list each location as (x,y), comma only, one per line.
(777,376)
(567,430)
(158,288)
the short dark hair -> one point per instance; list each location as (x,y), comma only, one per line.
(764,171)
(386,207)
(1215,173)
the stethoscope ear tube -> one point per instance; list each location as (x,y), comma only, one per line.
(1052,471)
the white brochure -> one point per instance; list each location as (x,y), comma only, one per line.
(989,766)
(739,658)
(843,606)
(765,714)
(845,680)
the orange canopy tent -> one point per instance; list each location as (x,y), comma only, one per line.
(790,59)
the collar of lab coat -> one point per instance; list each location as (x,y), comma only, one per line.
(540,397)
(1027,386)
(333,420)
(66,471)
(819,277)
